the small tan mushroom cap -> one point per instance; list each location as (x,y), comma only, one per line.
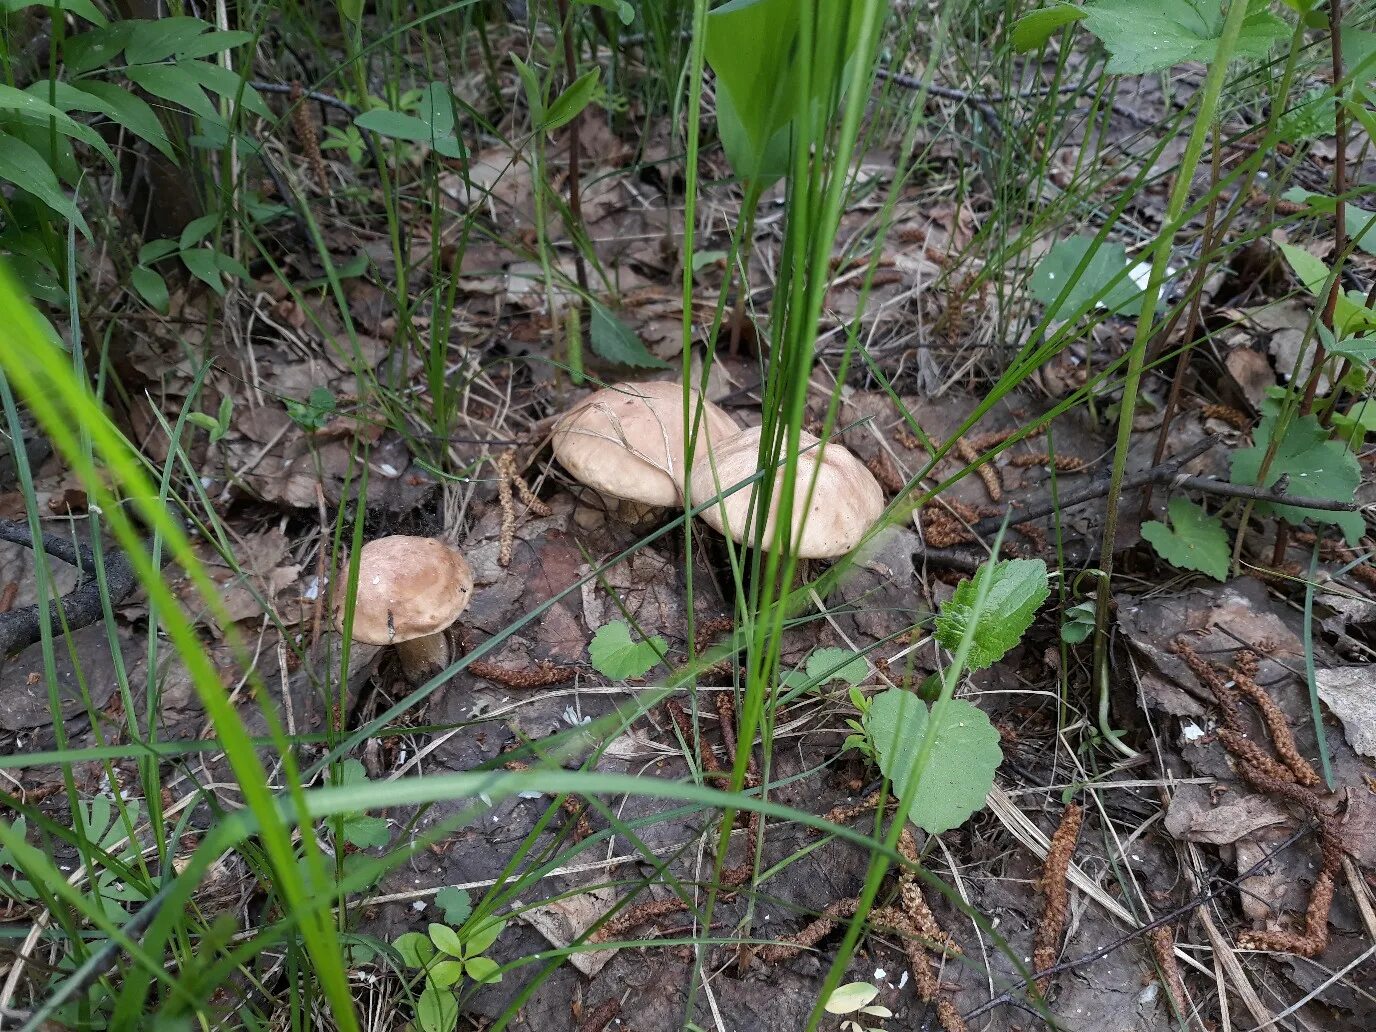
(626,441)
(846,502)
(408,588)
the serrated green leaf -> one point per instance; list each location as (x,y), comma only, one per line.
(1153,37)
(564,108)
(437,1010)
(960,763)
(1108,263)
(455,905)
(483,970)
(444,973)
(1194,540)
(1312,117)
(615,655)
(1318,467)
(416,950)
(479,939)
(446,940)
(1017,588)
(1032,31)
(618,343)
(850,998)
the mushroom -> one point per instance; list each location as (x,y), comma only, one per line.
(410,589)
(626,442)
(846,502)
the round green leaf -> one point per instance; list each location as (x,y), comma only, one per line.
(444,973)
(416,950)
(437,1010)
(850,998)
(446,940)
(483,969)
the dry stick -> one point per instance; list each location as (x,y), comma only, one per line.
(1052,884)
(20,628)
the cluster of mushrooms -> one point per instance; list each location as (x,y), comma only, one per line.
(625,442)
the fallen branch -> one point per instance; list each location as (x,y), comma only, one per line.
(80,607)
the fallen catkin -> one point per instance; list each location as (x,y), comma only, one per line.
(1056,892)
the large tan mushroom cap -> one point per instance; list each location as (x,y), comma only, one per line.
(846,502)
(626,441)
(408,588)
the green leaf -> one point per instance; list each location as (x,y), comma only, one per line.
(173,83)
(960,764)
(120,106)
(455,904)
(483,970)
(480,938)
(1018,587)
(1153,37)
(849,998)
(1312,117)
(214,43)
(1317,467)
(1194,540)
(620,8)
(570,104)
(81,8)
(202,420)
(23,166)
(535,97)
(159,39)
(616,342)
(437,1010)
(446,940)
(200,262)
(155,250)
(230,85)
(1078,623)
(351,10)
(1108,263)
(1032,31)
(197,230)
(97,48)
(444,973)
(832,664)
(416,950)
(360,830)
(34,110)
(615,655)
(398,126)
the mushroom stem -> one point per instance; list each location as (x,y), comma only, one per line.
(422,658)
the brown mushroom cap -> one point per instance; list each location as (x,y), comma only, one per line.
(408,587)
(845,503)
(626,441)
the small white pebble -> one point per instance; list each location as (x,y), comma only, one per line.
(903,980)
(418,905)
(387,469)
(1192,731)
(880,974)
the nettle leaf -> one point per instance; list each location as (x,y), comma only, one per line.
(1153,37)
(618,343)
(1017,589)
(960,764)
(1108,263)
(1032,31)
(615,655)
(1194,540)
(455,904)
(1317,466)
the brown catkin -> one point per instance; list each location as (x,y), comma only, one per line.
(1056,892)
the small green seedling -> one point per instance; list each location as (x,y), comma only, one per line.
(855,1001)
(615,655)
(445,955)
(1078,623)
(217,425)
(313,413)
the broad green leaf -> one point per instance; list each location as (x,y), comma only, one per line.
(175,84)
(1359,53)
(1017,588)
(351,10)
(1312,272)
(1359,223)
(38,279)
(444,973)
(360,829)
(446,940)
(570,104)
(1152,37)
(416,950)
(851,997)
(1317,466)
(219,79)
(151,287)
(200,262)
(96,48)
(214,43)
(35,110)
(484,970)
(197,230)
(155,250)
(620,8)
(455,904)
(1108,263)
(437,1010)
(398,126)
(479,939)
(615,655)
(159,39)
(120,106)
(1031,31)
(535,97)
(618,343)
(81,8)
(1351,313)
(960,763)
(833,664)
(1356,422)
(1194,540)
(23,166)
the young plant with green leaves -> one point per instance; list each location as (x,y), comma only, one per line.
(446,956)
